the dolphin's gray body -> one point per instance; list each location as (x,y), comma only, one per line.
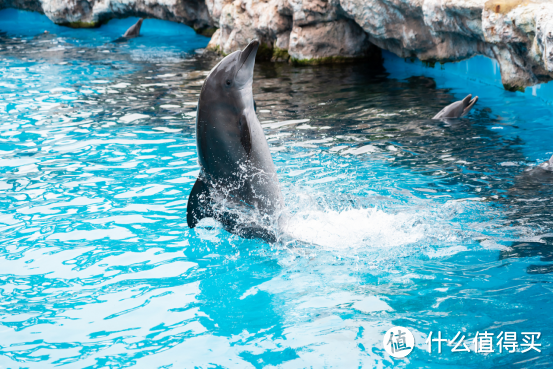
(134,30)
(458,109)
(541,173)
(547,165)
(237,184)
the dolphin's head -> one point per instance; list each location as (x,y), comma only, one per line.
(226,111)
(234,73)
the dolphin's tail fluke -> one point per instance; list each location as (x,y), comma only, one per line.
(199,204)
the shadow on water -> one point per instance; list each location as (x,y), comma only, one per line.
(230,298)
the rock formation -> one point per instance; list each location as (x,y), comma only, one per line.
(93,13)
(517,33)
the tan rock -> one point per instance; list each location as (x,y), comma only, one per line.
(339,39)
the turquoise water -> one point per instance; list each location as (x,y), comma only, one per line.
(396,219)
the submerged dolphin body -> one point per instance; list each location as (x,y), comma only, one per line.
(542,173)
(237,184)
(547,165)
(458,109)
(134,30)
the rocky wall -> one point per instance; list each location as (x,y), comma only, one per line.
(517,33)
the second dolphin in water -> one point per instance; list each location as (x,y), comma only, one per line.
(237,184)
(458,109)
(134,30)
(542,173)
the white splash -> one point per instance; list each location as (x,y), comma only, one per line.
(355,228)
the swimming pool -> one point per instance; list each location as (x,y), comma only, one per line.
(397,220)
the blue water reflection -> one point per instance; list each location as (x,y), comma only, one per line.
(396,219)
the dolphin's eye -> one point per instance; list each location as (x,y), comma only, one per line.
(228,82)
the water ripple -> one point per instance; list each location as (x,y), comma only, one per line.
(394,219)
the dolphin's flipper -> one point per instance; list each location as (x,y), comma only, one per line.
(470,105)
(199,204)
(245,135)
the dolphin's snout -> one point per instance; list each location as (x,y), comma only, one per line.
(247,57)
(244,74)
(466,100)
(252,47)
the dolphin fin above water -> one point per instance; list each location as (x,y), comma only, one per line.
(546,165)
(458,109)
(245,135)
(537,175)
(199,203)
(134,30)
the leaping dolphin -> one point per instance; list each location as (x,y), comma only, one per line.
(458,109)
(134,30)
(237,184)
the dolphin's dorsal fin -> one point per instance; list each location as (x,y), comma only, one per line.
(245,135)
(550,161)
(199,204)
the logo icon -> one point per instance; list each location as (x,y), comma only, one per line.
(398,342)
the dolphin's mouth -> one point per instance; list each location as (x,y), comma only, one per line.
(244,74)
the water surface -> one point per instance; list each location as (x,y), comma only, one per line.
(397,219)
